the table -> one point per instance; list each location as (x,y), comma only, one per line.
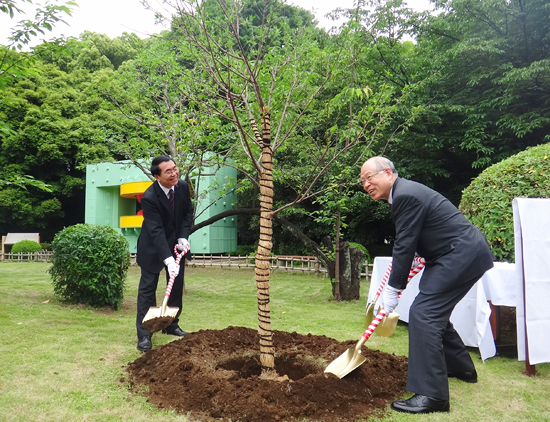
(471,317)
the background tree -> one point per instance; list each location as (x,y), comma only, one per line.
(20,65)
(489,93)
(14,66)
(57,126)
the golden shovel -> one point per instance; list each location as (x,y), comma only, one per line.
(388,324)
(158,319)
(352,358)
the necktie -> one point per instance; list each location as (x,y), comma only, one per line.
(171,198)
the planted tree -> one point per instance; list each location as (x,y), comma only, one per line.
(260,67)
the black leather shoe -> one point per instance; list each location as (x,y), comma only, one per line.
(144,344)
(470,376)
(421,404)
(174,331)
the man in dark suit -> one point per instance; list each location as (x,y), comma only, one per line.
(167,219)
(457,255)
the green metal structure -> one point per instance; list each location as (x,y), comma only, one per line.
(113,191)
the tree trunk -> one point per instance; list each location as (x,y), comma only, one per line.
(351,260)
(338,270)
(340,288)
(356,262)
(328,245)
(265,244)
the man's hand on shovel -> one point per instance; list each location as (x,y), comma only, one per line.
(390,299)
(183,244)
(172,267)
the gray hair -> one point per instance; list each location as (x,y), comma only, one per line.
(380,163)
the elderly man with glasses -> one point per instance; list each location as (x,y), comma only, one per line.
(457,255)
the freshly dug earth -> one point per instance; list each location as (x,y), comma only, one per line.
(215,375)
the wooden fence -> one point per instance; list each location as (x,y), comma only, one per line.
(42,256)
(304,264)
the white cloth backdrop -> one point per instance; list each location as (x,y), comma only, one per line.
(532,251)
(471,316)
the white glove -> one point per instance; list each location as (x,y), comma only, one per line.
(183,244)
(390,298)
(171,266)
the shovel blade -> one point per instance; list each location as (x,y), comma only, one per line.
(369,314)
(158,319)
(345,363)
(387,325)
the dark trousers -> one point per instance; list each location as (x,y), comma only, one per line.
(435,348)
(147,297)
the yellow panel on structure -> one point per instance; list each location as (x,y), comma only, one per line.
(131,221)
(131,189)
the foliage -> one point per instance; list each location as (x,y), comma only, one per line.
(23,181)
(58,124)
(26,246)
(13,66)
(487,202)
(21,209)
(89,265)
(243,250)
(46,246)
(490,61)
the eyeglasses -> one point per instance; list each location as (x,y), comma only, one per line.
(369,177)
(170,172)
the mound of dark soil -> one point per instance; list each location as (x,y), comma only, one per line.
(215,375)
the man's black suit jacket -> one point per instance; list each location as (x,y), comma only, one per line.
(162,226)
(427,223)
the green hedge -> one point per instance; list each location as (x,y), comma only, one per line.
(487,202)
(89,265)
(26,246)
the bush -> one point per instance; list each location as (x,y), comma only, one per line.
(487,202)
(89,265)
(26,246)
(46,246)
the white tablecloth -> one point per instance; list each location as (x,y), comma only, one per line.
(532,252)
(471,316)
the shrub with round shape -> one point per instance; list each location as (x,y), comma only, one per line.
(26,246)
(89,265)
(487,202)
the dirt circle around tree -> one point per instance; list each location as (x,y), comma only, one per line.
(214,375)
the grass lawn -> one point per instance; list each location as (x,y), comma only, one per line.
(63,362)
